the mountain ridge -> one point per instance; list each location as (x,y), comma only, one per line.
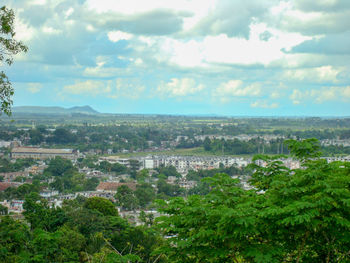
(54,110)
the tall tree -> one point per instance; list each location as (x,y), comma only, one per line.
(8,48)
(299,215)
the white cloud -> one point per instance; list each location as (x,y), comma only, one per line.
(275,95)
(24,32)
(89,87)
(51,30)
(116,36)
(296,96)
(136,6)
(34,87)
(126,89)
(178,88)
(264,104)
(318,74)
(236,88)
(221,49)
(321,95)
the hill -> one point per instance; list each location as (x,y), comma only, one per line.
(54,110)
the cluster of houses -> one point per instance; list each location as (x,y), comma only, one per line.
(107,189)
(336,142)
(241,137)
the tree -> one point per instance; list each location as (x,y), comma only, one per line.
(300,215)
(126,198)
(59,166)
(3,210)
(62,136)
(36,137)
(8,48)
(102,205)
(40,215)
(14,239)
(145,194)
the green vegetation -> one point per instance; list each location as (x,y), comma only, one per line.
(84,230)
(7,166)
(8,48)
(299,215)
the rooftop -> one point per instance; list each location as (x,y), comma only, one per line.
(41,150)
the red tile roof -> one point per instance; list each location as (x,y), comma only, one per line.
(5,185)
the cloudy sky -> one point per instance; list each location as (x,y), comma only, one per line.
(225,57)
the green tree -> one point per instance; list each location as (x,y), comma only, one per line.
(102,205)
(40,215)
(91,184)
(3,210)
(126,198)
(14,240)
(145,194)
(8,48)
(58,166)
(36,137)
(300,215)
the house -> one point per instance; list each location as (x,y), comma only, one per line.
(5,185)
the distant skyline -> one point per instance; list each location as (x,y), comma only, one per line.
(185,57)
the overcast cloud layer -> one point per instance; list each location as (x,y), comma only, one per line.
(226,57)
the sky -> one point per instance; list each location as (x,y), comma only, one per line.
(187,57)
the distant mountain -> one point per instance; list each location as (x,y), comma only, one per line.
(82,109)
(54,110)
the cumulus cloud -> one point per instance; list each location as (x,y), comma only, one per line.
(116,36)
(232,18)
(335,44)
(264,104)
(322,5)
(89,87)
(236,88)
(155,22)
(326,17)
(296,96)
(126,89)
(114,88)
(319,74)
(178,88)
(34,87)
(324,94)
(223,43)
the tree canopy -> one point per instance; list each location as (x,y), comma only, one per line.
(299,215)
(8,48)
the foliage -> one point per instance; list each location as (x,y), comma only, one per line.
(62,136)
(299,215)
(7,166)
(168,190)
(3,210)
(145,194)
(8,48)
(126,198)
(21,191)
(169,171)
(59,166)
(102,205)
(308,148)
(83,234)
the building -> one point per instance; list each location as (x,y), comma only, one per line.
(42,153)
(115,159)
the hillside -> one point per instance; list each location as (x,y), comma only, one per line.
(54,110)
